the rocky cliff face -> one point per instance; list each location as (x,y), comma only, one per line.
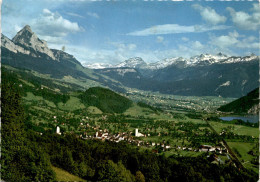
(8,44)
(254,110)
(26,38)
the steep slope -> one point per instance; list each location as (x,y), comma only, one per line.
(248,104)
(59,94)
(27,39)
(27,51)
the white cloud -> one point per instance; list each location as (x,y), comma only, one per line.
(209,15)
(197,45)
(116,53)
(53,24)
(123,47)
(159,39)
(74,14)
(175,28)
(53,40)
(131,47)
(185,39)
(186,50)
(225,41)
(95,15)
(233,40)
(245,20)
(17,28)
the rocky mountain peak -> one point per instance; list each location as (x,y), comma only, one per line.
(28,39)
(135,62)
(25,36)
(8,44)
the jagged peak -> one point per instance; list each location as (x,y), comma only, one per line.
(27,28)
(24,35)
(134,62)
(28,39)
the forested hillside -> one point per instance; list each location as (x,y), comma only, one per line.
(21,160)
(105,99)
(243,104)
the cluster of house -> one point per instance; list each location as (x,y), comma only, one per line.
(209,148)
(205,148)
(128,137)
(124,136)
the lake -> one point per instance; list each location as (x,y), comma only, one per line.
(251,119)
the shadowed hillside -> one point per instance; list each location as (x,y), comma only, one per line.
(105,99)
(243,104)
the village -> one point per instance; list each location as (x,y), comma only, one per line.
(135,139)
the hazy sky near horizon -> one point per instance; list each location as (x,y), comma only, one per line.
(113,31)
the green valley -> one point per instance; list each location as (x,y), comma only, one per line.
(101,115)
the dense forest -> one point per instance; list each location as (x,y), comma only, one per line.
(105,99)
(21,159)
(28,156)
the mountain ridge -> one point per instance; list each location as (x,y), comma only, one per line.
(202,75)
(198,60)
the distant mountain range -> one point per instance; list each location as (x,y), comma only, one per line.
(199,60)
(200,75)
(203,75)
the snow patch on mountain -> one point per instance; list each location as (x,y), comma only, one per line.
(165,62)
(136,62)
(199,60)
(122,72)
(227,83)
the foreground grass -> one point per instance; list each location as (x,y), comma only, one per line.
(62,175)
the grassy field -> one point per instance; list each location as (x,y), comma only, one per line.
(136,110)
(243,149)
(72,104)
(238,129)
(31,96)
(62,175)
(42,109)
(94,110)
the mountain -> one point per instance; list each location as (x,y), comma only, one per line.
(198,60)
(203,75)
(136,62)
(27,51)
(166,62)
(29,41)
(248,104)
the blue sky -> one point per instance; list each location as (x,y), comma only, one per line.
(113,31)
